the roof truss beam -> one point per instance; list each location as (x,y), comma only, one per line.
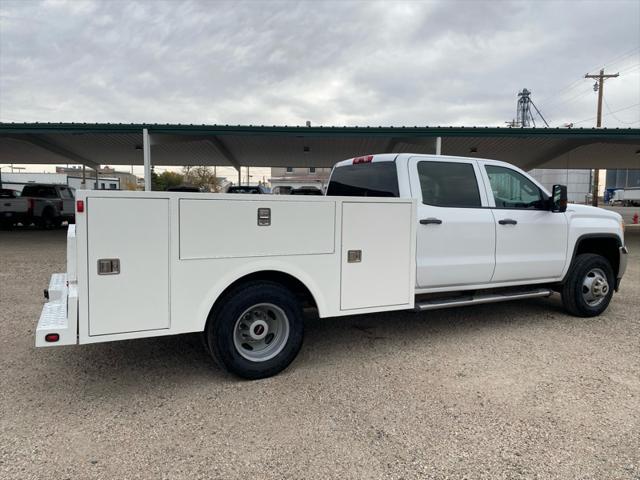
(56,149)
(160,139)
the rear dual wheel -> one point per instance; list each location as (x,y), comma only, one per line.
(48,219)
(256,331)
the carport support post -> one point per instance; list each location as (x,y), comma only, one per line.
(438,145)
(84,176)
(146,148)
(95,187)
(239,176)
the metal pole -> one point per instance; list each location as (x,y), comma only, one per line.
(146,148)
(95,187)
(248,176)
(596,173)
(84,176)
(239,176)
(438,145)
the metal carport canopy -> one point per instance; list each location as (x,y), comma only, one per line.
(316,146)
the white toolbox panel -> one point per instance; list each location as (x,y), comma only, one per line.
(229,228)
(382,233)
(137,235)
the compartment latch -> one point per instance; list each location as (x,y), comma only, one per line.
(108,266)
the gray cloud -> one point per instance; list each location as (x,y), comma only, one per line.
(334,63)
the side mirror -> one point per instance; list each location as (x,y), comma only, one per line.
(559,198)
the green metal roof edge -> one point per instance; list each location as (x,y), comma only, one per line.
(44,128)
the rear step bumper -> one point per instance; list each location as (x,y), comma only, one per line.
(483,298)
(59,315)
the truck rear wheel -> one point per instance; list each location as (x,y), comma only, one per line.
(48,219)
(589,286)
(257,330)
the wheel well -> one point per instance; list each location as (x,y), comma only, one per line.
(608,247)
(298,288)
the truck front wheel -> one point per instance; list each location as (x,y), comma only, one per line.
(256,331)
(588,288)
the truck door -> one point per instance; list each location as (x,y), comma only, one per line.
(531,241)
(128,264)
(456,235)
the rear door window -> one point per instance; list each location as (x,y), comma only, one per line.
(41,191)
(449,184)
(66,193)
(376,179)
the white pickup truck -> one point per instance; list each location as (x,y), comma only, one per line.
(395,231)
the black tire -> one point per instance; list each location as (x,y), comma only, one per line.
(48,219)
(573,297)
(221,326)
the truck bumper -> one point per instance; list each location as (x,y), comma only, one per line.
(622,267)
(58,324)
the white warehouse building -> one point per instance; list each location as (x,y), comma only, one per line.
(578,181)
(15,181)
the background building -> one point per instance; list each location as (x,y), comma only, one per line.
(127,181)
(15,181)
(283,180)
(623,178)
(578,181)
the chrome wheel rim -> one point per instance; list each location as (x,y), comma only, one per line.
(595,287)
(261,332)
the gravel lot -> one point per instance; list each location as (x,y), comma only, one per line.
(517,390)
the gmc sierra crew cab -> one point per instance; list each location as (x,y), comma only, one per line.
(394,232)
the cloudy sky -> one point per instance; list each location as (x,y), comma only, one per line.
(333,63)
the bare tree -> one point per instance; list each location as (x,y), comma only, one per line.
(202,177)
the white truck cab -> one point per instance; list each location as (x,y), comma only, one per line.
(395,231)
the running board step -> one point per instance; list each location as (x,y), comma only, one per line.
(483,298)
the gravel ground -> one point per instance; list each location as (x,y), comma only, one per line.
(517,390)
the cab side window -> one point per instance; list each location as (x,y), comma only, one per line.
(513,190)
(449,184)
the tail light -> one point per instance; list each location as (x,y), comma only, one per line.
(365,159)
(79,206)
(51,337)
(30,205)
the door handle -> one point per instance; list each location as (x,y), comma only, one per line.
(430,220)
(507,221)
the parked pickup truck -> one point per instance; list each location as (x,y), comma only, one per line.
(13,208)
(49,205)
(394,232)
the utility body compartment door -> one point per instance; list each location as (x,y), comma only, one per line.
(135,232)
(377,255)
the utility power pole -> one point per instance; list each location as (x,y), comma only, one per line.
(598,87)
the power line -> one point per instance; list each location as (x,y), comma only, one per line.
(618,58)
(613,114)
(630,68)
(610,113)
(555,105)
